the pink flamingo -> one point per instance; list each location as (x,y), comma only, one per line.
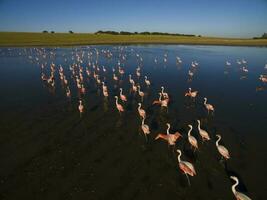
(191,94)
(81,107)
(164,94)
(145,128)
(186,167)
(141,94)
(141,111)
(263,78)
(158,101)
(170,138)
(209,107)
(119,106)
(123,97)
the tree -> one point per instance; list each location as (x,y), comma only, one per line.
(52,31)
(71,32)
(264,35)
(45,31)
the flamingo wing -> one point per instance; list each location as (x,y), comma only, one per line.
(187,168)
(241,196)
(223,151)
(162,136)
(177,135)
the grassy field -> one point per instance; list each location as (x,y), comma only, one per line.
(10,39)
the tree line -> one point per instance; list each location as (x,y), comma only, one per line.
(143,33)
(264,36)
(133,33)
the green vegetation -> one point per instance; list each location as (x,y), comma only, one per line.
(264,36)
(141,33)
(67,39)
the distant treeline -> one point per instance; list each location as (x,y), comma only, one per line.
(143,33)
(264,36)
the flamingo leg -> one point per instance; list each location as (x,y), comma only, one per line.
(187,179)
(146,138)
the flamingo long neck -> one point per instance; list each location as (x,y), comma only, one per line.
(217,142)
(233,186)
(168,130)
(160,95)
(198,125)
(139,89)
(189,131)
(205,101)
(116,101)
(179,157)
(162,90)
(121,92)
(139,107)
(143,121)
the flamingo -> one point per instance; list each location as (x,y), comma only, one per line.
(222,150)
(145,128)
(134,87)
(190,73)
(204,134)
(244,69)
(186,167)
(68,93)
(228,63)
(130,79)
(263,78)
(170,138)
(123,97)
(190,93)
(165,94)
(209,107)
(192,140)
(104,87)
(141,111)
(105,93)
(147,81)
(119,106)
(238,195)
(115,78)
(80,107)
(164,103)
(157,101)
(141,94)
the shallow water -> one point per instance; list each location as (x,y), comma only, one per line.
(48,151)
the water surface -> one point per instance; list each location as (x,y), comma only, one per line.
(48,151)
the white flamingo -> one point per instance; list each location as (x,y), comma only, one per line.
(192,140)
(204,134)
(238,195)
(222,150)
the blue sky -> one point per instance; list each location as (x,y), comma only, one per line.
(230,18)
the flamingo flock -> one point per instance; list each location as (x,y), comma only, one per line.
(139,85)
